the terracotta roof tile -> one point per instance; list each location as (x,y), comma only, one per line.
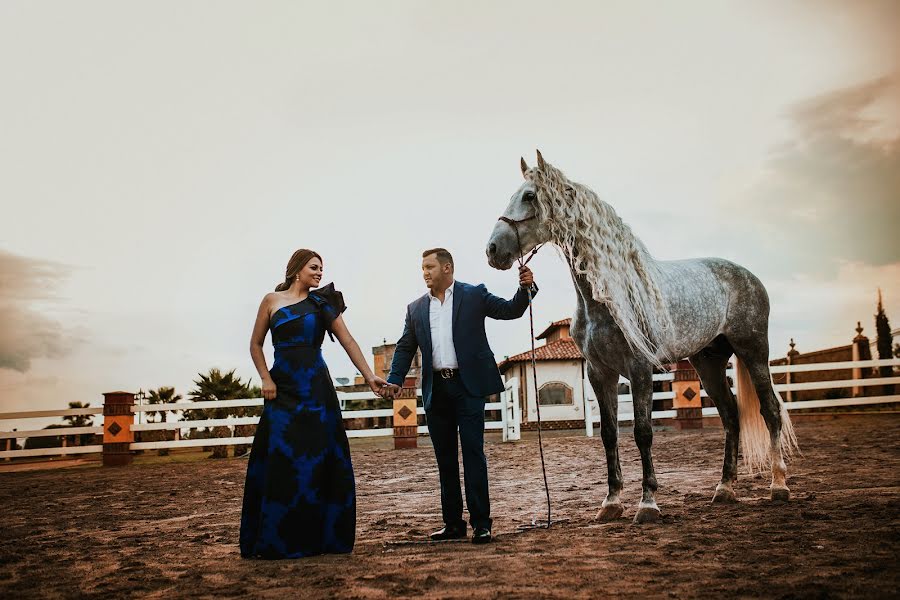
(564,349)
(552,326)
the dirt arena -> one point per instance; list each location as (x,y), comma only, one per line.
(169,528)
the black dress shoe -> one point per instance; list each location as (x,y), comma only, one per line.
(482,535)
(449,533)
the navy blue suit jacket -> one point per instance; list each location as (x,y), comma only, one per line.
(477,367)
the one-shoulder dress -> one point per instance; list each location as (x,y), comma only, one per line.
(300,496)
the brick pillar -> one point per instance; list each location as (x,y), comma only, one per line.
(860,351)
(117,433)
(381,361)
(406,422)
(687,403)
(791,357)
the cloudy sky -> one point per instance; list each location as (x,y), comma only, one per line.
(162,160)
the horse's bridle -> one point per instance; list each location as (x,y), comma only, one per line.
(514,223)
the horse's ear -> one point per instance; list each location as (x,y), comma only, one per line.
(540,159)
(523,165)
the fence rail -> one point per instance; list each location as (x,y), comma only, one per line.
(51,451)
(55,432)
(62,412)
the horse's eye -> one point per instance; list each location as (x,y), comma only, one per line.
(529,196)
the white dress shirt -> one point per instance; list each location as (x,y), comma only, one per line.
(443,351)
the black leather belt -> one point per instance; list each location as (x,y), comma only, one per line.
(447,373)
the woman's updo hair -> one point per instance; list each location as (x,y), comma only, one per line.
(295,265)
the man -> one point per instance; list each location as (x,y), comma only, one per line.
(458,371)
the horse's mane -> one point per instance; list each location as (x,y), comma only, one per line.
(602,248)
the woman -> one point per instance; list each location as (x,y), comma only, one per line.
(299,496)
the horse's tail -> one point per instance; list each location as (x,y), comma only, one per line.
(756,443)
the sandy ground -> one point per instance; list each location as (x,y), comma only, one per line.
(170,529)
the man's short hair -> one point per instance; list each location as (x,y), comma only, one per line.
(443,255)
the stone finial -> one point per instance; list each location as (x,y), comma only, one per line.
(793,351)
(859,336)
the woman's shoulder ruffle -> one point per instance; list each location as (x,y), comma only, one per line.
(330,297)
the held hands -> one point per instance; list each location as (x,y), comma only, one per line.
(526,277)
(378,384)
(389,391)
(384,389)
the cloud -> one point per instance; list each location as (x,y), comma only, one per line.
(832,193)
(26,332)
(822,313)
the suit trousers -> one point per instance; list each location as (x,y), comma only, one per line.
(453,409)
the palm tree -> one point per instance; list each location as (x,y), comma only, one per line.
(163,395)
(216,385)
(254,391)
(79,421)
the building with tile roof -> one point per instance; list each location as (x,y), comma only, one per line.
(561,377)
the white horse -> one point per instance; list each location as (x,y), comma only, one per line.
(635,313)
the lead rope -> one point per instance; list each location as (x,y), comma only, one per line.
(537,401)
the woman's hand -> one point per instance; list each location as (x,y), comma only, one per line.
(268,389)
(377,384)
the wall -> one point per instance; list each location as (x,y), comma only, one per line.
(565,371)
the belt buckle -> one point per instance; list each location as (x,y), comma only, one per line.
(447,373)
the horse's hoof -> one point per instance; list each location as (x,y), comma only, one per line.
(781,494)
(724,495)
(611,512)
(646,514)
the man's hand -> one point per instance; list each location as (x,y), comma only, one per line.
(389,391)
(526,277)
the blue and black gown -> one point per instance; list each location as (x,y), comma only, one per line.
(299,496)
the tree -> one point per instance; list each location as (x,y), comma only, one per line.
(33,443)
(885,343)
(254,391)
(83,439)
(212,386)
(163,395)
(79,420)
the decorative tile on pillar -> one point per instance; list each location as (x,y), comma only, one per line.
(115,428)
(689,393)
(404,412)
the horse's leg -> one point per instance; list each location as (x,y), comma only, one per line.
(605,384)
(642,394)
(752,353)
(770,408)
(710,364)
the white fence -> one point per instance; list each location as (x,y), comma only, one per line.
(509,407)
(9,437)
(626,409)
(508,423)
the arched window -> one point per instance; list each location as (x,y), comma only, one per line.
(555,393)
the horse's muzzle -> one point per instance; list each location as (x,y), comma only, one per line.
(497,258)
